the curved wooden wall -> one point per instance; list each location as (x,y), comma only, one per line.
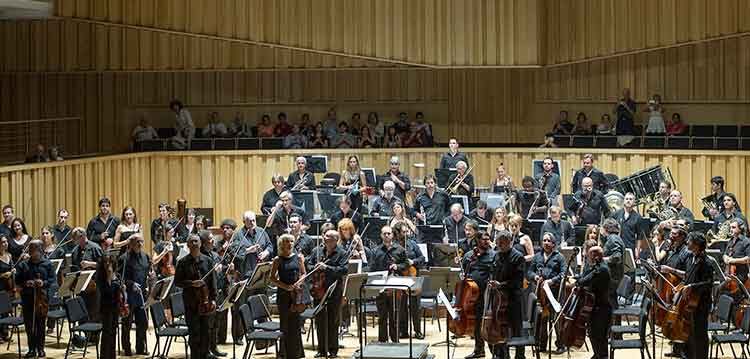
(234,181)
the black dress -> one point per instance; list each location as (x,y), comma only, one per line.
(291,343)
(5,268)
(108,293)
(16,249)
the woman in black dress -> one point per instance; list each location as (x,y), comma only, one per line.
(286,271)
(6,278)
(108,286)
(19,239)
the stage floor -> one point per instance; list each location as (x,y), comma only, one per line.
(350,343)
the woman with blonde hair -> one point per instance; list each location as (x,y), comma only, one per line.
(350,240)
(286,270)
(499,222)
(400,216)
(521,241)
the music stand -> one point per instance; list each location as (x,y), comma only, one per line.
(56,265)
(444,279)
(371,179)
(305,199)
(352,283)
(354,266)
(443,175)
(328,203)
(316,163)
(67,287)
(443,255)
(83,280)
(258,279)
(629,261)
(160,291)
(462,200)
(233,295)
(431,233)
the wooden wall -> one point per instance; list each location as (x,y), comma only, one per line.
(435,32)
(232,182)
(584,29)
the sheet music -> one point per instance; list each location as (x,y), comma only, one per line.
(86,275)
(447,304)
(67,284)
(551,298)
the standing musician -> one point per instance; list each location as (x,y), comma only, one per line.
(301,178)
(84,257)
(351,241)
(166,260)
(477,265)
(383,204)
(507,275)
(562,230)
(503,182)
(109,287)
(401,181)
(159,225)
(715,200)
(353,181)
(588,204)
(737,251)
(596,279)
(630,224)
(454,224)
(286,271)
(101,228)
(481,213)
(347,211)
(682,212)
(519,240)
(451,158)
(700,274)
(530,201)
(614,255)
(547,266)
(462,181)
(676,262)
(188,226)
(218,320)
(331,260)
(389,257)
(401,233)
(35,276)
(272,195)
(471,229)
(432,205)
(549,181)
(61,229)
(128,226)
(729,211)
(8,217)
(599,182)
(284,209)
(199,295)
(135,270)
(303,244)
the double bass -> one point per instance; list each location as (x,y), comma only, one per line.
(466,296)
(575,316)
(677,324)
(495,326)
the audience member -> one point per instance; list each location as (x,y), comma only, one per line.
(549,141)
(562,126)
(675,126)
(265,127)
(39,156)
(402,125)
(55,154)
(183,120)
(295,139)
(655,116)
(366,139)
(392,138)
(605,125)
(419,118)
(624,112)
(282,128)
(144,131)
(318,138)
(240,127)
(305,126)
(415,137)
(582,127)
(330,127)
(181,140)
(214,128)
(355,124)
(376,126)
(343,139)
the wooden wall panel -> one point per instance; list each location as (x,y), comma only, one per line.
(435,32)
(224,180)
(584,29)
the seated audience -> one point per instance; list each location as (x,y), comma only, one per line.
(305,126)
(330,127)
(675,126)
(549,141)
(402,125)
(605,125)
(265,127)
(355,123)
(180,141)
(318,138)
(562,126)
(144,131)
(214,128)
(377,128)
(295,139)
(366,139)
(343,138)
(392,138)
(582,127)
(655,116)
(39,156)
(419,118)
(240,127)
(415,137)
(283,128)
(55,154)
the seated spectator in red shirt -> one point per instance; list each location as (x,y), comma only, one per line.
(283,128)
(265,127)
(675,126)
(583,127)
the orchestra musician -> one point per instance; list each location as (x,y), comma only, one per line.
(62,230)
(716,197)
(101,228)
(520,241)
(531,202)
(284,208)
(126,228)
(109,287)
(347,211)
(168,251)
(400,216)
(502,183)
(588,204)
(477,264)
(19,240)
(390,257)
(549,181)
(187,227)
(432,205)
(303,244)
(463,181)
(454,224)
(471,229)
(507,275)
(676,262)
(499,222)
(562,230)
(218,320)
(135,270)
(682,212)
(383,204)
(737,251)
(84,257)
(596,279)
(614,257)
(287,269)
(401,235)
(199,295)
(588,170)
(351,241)
(548,266)
(630,224)
(665,191)
(700,274)
(35,276)
(271,197)
(159,224)
(451,158)
(729,211)
(401,181)
(353,181)
(331,259)
(481,213)
(8,216)
(301,178)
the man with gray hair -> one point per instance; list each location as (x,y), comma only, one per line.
(383,204)
(401,181)
(462,181)
(454,224)
(301,178)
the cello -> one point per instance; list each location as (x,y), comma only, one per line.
(677,324)
(466,295)
(495,326)
(575,316)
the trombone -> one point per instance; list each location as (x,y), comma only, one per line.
(453,186)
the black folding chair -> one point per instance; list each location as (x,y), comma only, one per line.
(740,337)
(639,343)
(56,316)
(78,322)
(529,340)
(178,310)
(253,334)
(10,320)
(163,331)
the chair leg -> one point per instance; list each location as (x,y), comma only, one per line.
(18,341)
(67,348)
(86,346)
(734,355)
(156,347)
(185,339)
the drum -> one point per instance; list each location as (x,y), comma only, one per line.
(642,183)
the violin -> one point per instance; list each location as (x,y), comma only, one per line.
(318,288)
(166,264)
(466,296)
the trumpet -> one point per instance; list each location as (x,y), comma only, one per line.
(301,183)
(453,186)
